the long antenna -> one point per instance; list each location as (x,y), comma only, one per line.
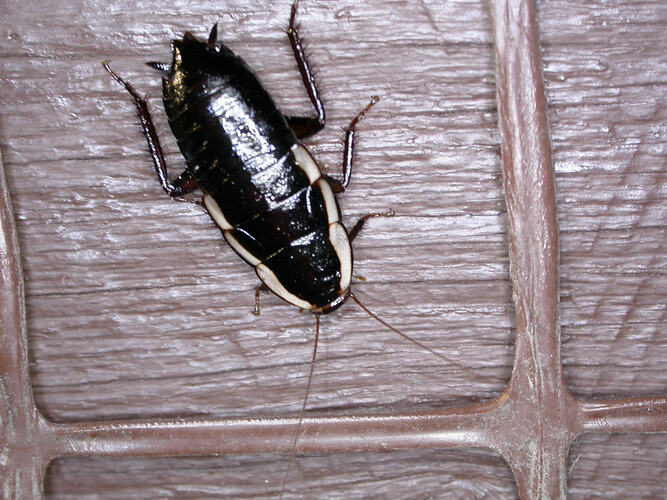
(396,330)
(312,369)
(303,407)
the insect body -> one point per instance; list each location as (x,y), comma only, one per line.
(263,188)
(261,185)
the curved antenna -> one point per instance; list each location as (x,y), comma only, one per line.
(396,330)
(303,407)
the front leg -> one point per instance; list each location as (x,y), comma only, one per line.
(360,223)
(260,289)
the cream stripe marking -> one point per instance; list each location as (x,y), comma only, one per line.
(217,215)
(341,245)
(271,280)
(240,249)
(330,204)
(306,162)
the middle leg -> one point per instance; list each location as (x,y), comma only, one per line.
(339,186)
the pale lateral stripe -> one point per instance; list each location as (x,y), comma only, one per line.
(306,162)
(240,249)
(271,280)
(330,204)
(341,244)
(217,215)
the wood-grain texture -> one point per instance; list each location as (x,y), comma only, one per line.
(137,308)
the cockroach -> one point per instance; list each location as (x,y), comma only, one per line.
(260,184)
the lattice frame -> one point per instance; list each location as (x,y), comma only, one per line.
(531,424)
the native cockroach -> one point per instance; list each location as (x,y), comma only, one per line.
(261,186)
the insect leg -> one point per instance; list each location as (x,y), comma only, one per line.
(360,223)
(304,126)
(348,152)
(260,288)
(184,184)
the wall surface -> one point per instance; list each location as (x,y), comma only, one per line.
(137,308)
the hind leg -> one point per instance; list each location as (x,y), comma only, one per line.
(300,125)
(184,183)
